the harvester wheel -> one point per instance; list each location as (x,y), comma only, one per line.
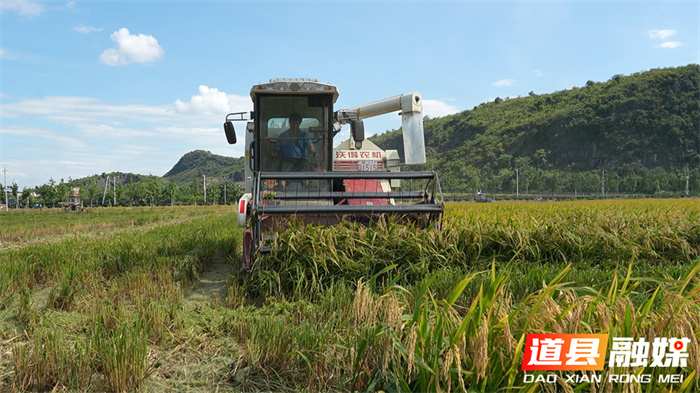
(247,249)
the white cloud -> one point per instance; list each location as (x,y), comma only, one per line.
(661,34)
(58,140)
(131,49)
(22,7)
(504,82)
(208,101)
(208,107)
(87,29)
(68,6)
(95,136)
(664,35)
(669,45)
(538,73)
(83,110)
(10,55)
(435,108)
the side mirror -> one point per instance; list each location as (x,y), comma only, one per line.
(357,127)
(230,133)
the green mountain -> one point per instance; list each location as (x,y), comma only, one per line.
(182,184)
(629,125)
(217,168)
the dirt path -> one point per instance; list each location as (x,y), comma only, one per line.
(211,286)
(208,367)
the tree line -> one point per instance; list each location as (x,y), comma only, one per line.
(533,176)
(116,190)
(524,176)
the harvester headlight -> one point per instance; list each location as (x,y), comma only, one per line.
(313,87)
(279,86)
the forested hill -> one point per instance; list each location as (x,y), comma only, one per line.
(195,163)
(629,124)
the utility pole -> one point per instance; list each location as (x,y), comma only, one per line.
(602,186)
(104,194)
(205,188)
(517,183)
(14,182)
(5,184)
(686,171)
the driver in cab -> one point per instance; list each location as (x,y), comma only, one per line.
(294,146)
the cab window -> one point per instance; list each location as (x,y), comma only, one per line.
(278,125)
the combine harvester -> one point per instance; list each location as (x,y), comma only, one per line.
(74,204)
(293,173)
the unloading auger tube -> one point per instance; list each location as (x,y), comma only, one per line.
(295,116)
(411,108)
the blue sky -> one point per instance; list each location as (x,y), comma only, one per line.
(94,86)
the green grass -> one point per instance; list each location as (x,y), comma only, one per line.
(106,305)
(22,226)
(117,294)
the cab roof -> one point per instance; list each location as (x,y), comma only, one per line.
(294,86)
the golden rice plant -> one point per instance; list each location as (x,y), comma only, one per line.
(542,238)
(122,355)
(442,347)
(52,362)
(569,268)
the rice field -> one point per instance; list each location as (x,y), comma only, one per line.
(151,299)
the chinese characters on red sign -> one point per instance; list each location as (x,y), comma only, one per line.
(361,154)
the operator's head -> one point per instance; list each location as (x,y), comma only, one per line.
(294,123)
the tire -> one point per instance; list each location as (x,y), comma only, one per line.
(247,249)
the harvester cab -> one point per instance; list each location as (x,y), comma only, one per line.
(292,171)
